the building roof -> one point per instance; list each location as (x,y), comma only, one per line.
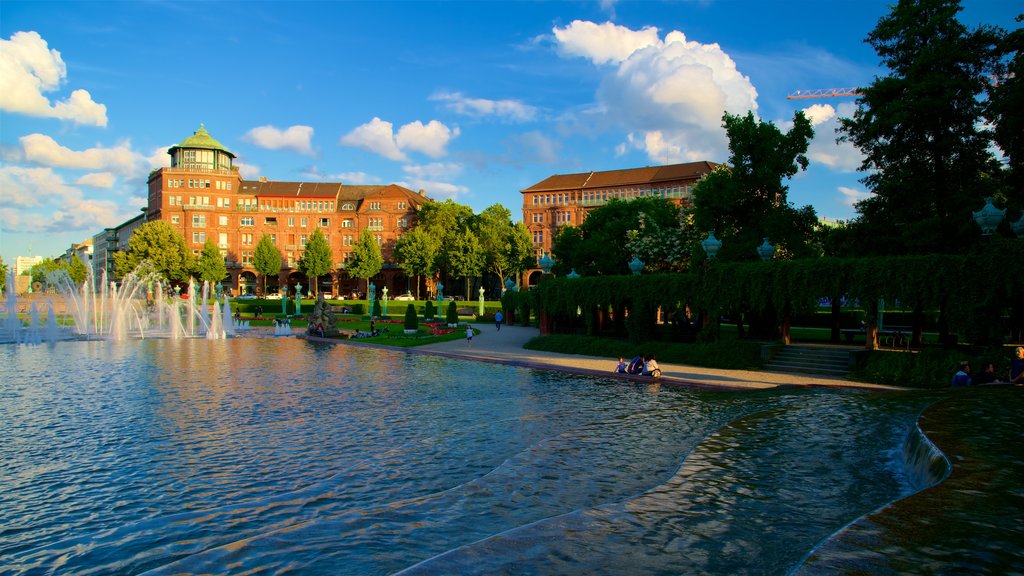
(202,139)
(333,190)
(627,177)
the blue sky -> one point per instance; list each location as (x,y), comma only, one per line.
(466,100)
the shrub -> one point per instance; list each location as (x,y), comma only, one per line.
(453,313)
(428,310)
(412,320)
(376,308)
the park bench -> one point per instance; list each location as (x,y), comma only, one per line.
(890,336)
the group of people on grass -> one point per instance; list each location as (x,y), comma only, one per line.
(640,364)
(963,376)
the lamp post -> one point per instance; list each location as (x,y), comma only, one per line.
(765,250)
(711,245)
(572,274)
(371,295)
(298,299)
(1018,227)
(989,217)
(509,284)
(384,305)
(440,291)
(636,266)
(480,308)
(546,262)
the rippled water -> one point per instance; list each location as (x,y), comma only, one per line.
(287,456)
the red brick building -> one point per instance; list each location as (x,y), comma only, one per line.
(567,198)
(203,196)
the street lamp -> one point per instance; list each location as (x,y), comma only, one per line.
(711,245)
(1018,227)
(546,262)
(989,217)
(766,250)
(636,266)
(572,274)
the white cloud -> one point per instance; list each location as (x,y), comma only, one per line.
(851,195)
(430,139)
(43,202)
(296,138)
(96,180)
(512,110)
(45,151)
(159,158)
(433,179)
(28,68)
(842,157)
(247,171)
(378,136)
(537,147)
(603,43)
(355,178)
(668,94)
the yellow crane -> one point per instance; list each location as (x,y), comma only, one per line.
(995,79)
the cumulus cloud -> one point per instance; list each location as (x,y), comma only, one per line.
(120,159)
(356,178)
(247,171)
(668,94)
(378,136)
(28,68)
(96,180)
(434,179)
(510,110)
(603,43)
(537,147)
(842,157)
(38,200)
(295,138)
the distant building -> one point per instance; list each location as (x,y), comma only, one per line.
(567,198)
(203,196)
(105,243)
(22,264)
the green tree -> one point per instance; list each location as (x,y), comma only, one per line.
(412,320)
(266,259)
(210,267)
(747,201)
(463,257)
(506,246)
(77,270)
(160,244)
(444,222)
(39,271)
(926,146)
(1006,100)
(3,274)
(600,246)
(365,260)
(317,259)
(416,253)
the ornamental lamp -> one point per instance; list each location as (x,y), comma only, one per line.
(546,262)
(572,274)
(711,245)
(766,250)
(1018,227)
(636,266)
(989,217)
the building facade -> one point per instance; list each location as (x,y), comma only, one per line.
(203,196)
(566,199)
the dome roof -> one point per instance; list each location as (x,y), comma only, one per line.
(202,139)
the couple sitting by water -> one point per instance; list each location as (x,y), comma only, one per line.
(645,365)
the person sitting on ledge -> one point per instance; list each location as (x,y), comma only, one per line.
(620,368)
(1017,367)
(963,376)
(651,367)
(636,365)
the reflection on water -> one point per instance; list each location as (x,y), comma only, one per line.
(282,455)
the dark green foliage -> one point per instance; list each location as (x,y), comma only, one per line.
(412,320)
(376,308)
(428,309)
(317,258)
(210,266)
(453,313)
(730,355)
(266,259)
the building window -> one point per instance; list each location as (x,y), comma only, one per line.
(199,237)
(379,239)
(374,205)
(403,222)
(272,221)
(302,240)
(222,240)
(348,206)
(175,219)
(273,239)
(348,223)
(222,220)
(401,205)
(347,240)
(302,222)
(291,220)
(325,222)
(246,221)
(538,237)
(199,220)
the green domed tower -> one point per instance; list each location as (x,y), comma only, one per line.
(200,151)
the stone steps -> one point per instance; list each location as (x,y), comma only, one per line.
(811,360)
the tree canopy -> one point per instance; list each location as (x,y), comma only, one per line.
(210,267)
(266,259)
(317,258)
(922,130)
(365,260)
(506,246)
(416,253)
(160,244)
(748,201)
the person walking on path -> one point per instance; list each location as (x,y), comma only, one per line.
(1017,367)
(469,336)
(497,320)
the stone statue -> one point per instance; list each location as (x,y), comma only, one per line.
(322,318)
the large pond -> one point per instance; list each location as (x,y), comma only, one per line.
(284,456)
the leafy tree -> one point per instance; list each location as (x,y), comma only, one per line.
(443,222)
(463,256)
(921,129)
(39,271)
(365,260)
(506,246)
(416,253)
(3,273)
(600,246)
(748,201)
(1006,100)
(661,247)
(77,270)
(163,246)
(266,259)
(210,267)
(316,259)
(452,316)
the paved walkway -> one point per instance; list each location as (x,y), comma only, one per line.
(506,347)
